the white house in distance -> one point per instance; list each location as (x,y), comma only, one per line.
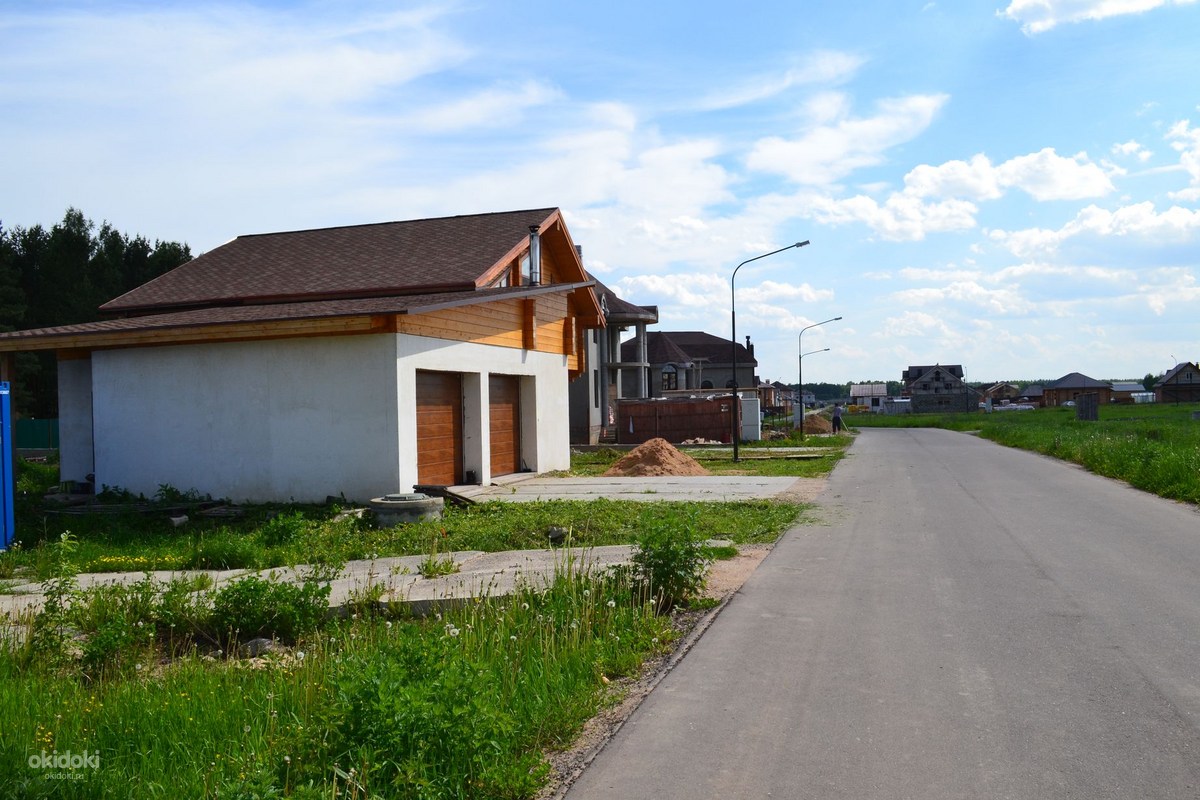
(356,360)
(869,395)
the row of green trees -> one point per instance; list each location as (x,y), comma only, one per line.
(61,276)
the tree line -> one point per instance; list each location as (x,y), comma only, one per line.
(61,276)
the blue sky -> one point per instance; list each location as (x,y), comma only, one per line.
(1013,185)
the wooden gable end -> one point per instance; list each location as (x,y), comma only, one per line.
(540,323)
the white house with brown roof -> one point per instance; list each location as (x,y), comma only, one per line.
(356,360)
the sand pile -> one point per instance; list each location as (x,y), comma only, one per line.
(655,457)
(815,423)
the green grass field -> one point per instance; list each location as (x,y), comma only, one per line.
(1153,447)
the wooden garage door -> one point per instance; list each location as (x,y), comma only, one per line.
(439,428)
(505,414)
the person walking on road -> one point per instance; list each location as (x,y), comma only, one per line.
(837,417)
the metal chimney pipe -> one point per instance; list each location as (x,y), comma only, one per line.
(535,256)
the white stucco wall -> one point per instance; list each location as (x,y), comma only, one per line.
(274,420)
(545,421)
(75,419)
(295,419)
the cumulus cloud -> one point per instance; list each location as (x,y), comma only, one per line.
(1176,224)
(976,179)
(1132,149)
(942,198)
(1048,176)
(1039,16)
(840,144)
(901,217)
(1045,175)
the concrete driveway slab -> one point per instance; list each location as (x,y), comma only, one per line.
(713,488)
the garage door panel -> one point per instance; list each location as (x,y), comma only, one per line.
(439,428)
(504,413)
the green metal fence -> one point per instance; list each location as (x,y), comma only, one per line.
(36,434)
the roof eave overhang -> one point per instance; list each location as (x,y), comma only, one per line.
(342,322)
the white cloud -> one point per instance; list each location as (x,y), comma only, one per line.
(1164,288)
(1039,16)
(915,324)
(1048,176)
(1185,140)
(774,291)
(822,67)
(900,218)
(484,108)
(1176,224)
(840,145)
(908,215)
(1044,175)
(976,179)
(1077,274)
(1001,301)
(924,274)
(1132,148)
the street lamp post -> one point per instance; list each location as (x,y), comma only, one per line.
(735,434)
(800,368)
(802,355)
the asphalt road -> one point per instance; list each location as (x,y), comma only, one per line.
(970,622)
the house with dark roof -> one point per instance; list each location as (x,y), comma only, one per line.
(358,360)
(1181,384)
(1130,392)
(690,360)
(938,388)
(1033,394)
(610,376)
(1069,387)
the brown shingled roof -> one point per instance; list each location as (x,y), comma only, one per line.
(417,256)
(276,312)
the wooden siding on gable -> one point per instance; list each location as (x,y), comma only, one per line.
(502,324)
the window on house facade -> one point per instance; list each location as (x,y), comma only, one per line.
(670,377)
(524,267)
